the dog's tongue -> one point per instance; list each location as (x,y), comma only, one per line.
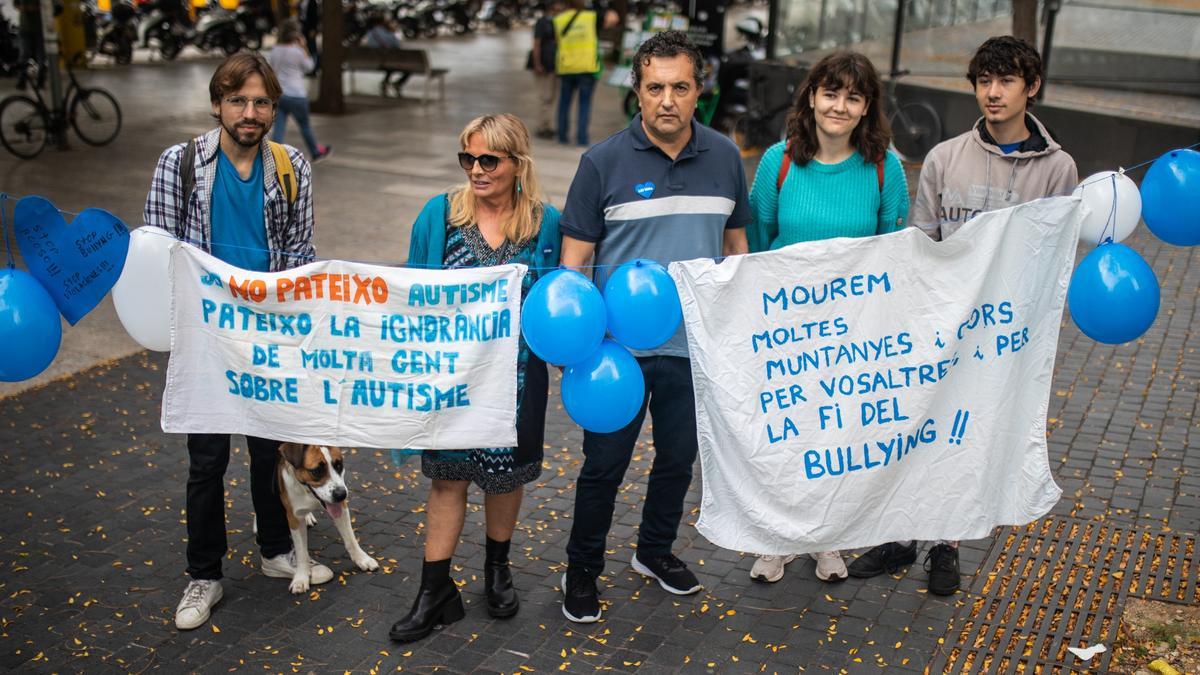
(334,510)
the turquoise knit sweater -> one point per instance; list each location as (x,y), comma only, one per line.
(822,201)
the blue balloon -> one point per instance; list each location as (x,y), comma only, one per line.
(563,317)
(29,326)
(643,305)
(605,392)
(1171,198)
(1113,294)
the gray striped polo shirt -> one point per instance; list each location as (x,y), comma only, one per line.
(633,201)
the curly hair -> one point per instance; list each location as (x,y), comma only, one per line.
(1007,55)
(841,69)
(667,44)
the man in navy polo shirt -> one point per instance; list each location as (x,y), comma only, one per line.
(665,188)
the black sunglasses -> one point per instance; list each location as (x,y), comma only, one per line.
(486,162)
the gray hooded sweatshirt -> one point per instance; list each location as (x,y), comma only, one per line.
(969,174)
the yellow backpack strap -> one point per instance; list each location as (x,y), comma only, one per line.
(285,174)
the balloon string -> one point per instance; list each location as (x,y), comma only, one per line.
(720,258)
(4,228)
(1112,214)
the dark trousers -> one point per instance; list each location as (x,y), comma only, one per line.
(606,457)
(208,457)
(295,106)
(568,84)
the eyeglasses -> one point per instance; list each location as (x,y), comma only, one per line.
(486,162)
(262,104)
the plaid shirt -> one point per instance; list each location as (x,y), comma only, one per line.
(289,239)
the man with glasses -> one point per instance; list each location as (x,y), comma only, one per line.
(229,192)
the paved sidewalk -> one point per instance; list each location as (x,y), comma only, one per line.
(92,546)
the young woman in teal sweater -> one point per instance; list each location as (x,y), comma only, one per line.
(833,176)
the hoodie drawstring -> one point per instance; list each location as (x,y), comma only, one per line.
(1012,179)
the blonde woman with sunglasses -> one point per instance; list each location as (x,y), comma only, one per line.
(497,217)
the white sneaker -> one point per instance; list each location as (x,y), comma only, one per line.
(197,603)
(283,566)
(769,568)
(830,566)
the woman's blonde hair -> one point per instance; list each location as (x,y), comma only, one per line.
(504,134)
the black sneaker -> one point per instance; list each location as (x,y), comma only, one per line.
(671,572)
(942,564)
(581,598)
(883,558)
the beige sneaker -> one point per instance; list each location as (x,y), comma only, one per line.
(769,568)
(197,603)
(284,567)
(830,566)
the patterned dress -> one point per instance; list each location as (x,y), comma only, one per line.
(498,470)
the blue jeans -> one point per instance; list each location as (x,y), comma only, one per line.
(296,106)
(585,83)
(672,404)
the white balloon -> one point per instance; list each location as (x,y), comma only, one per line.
(142,295)
(1115,204)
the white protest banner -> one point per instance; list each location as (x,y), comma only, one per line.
(345,354)
(851,392)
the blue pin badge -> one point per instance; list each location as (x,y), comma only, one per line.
(646,190)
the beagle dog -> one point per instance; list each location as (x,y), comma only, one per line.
(311,478)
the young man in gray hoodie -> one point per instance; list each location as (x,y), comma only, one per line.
(1007,158)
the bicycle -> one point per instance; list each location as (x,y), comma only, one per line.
(916,126)
(26,124)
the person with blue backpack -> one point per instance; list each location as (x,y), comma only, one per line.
(833,176)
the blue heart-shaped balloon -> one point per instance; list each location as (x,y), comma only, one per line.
(646,190)
(77,263)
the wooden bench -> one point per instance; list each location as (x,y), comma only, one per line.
(412,61)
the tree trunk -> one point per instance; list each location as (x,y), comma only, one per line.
(331,100)
(1025,20)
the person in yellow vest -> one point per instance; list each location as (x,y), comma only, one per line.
(576,64)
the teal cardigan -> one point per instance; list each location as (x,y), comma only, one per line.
(427,243)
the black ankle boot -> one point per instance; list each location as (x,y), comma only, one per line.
(502,599)
(438,603)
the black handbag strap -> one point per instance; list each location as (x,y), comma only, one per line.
(567,28)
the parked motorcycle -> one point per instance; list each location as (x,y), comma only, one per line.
(257,20)
(115,37)
(496,14)
(217,30)
(10,48)
(733,76)
(459,17)
(161,27)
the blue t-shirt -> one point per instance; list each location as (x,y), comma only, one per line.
(239,234)
(1009,148)
(633,201)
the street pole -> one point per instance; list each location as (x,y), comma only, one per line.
(897,37)
(331,99)
(772,29)
(50,49)
(1052,7)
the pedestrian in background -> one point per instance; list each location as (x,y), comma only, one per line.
(576,64)
(382,35)
(310,17)
(291,60)
(542,62)
(496,218)
(832,176)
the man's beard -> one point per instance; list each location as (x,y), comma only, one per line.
(246,138)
